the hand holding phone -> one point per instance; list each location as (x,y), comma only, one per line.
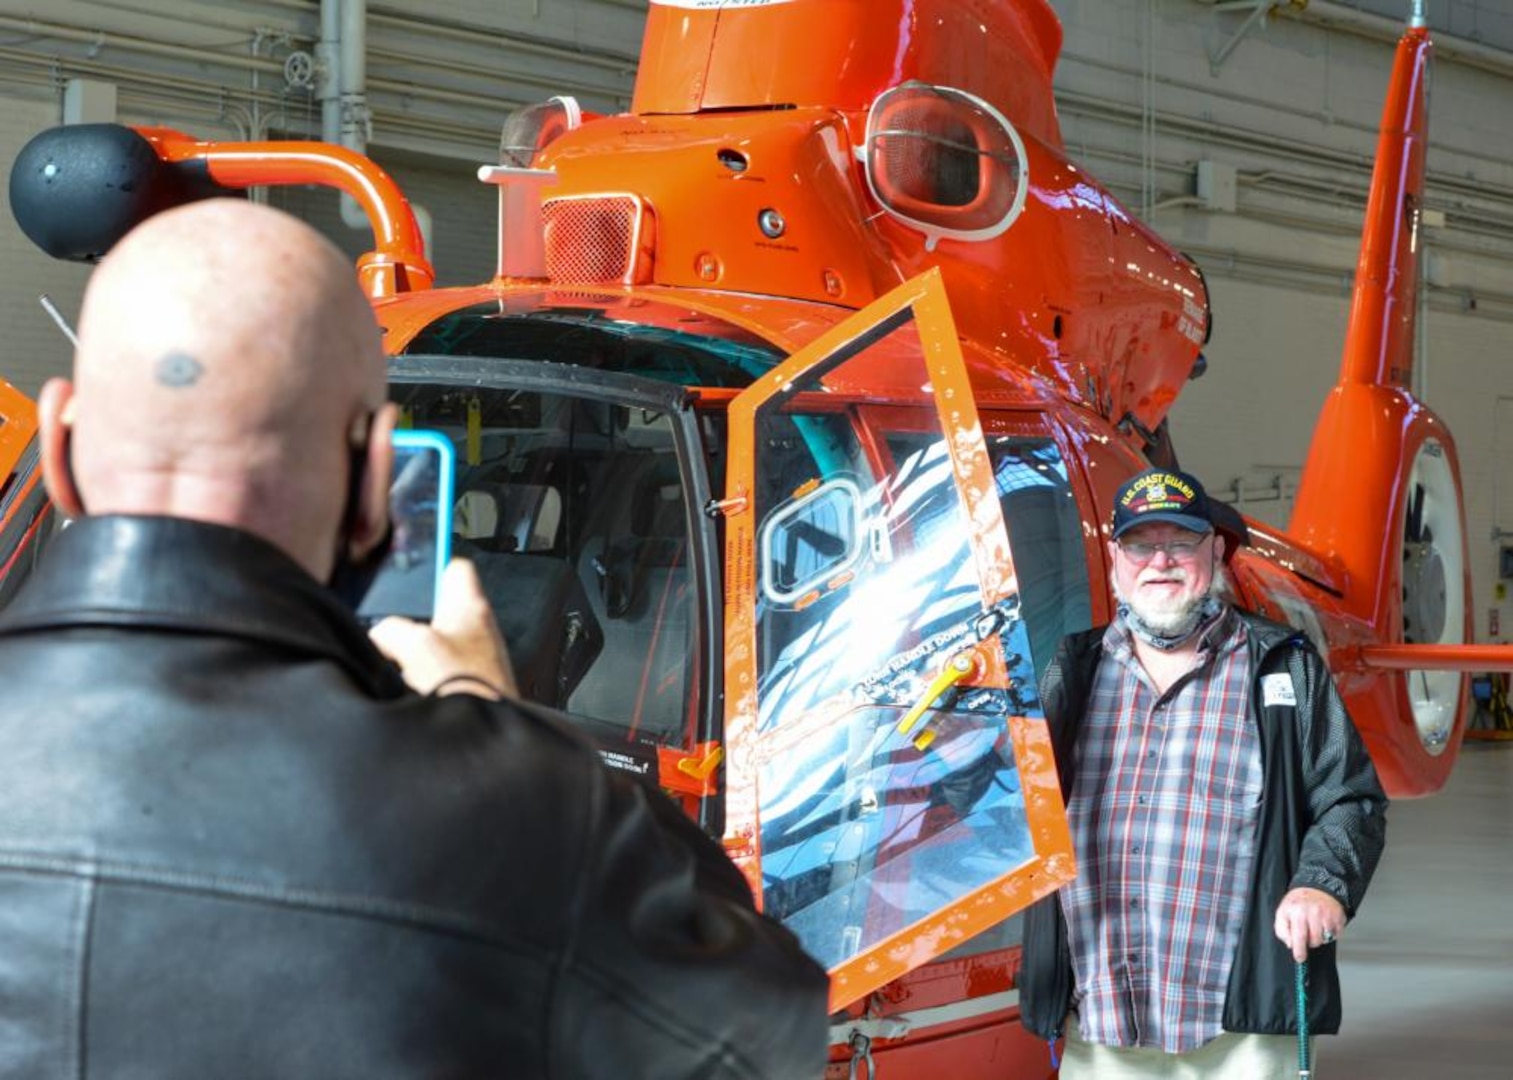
(460,651)
(420,512)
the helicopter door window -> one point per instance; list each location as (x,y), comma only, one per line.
(881,780)
(1045,530)
(1046,535)
(944,162)
(812,542)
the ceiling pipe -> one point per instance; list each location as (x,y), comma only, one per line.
(352,75)
(1380,28)
(345,118)
(100,40)
(342,88)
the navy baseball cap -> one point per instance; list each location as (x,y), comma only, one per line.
(1162,495)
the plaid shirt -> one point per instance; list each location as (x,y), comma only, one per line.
(1163,817)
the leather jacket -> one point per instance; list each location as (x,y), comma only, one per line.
(1322,825)
(233,844)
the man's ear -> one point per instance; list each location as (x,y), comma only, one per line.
(1221,545)
(372,522)
(55,418)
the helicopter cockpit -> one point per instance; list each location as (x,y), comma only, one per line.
(582,472)
(596,463)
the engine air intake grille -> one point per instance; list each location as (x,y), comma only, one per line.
(597,238)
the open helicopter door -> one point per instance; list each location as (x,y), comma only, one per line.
(23,502)
(890,787)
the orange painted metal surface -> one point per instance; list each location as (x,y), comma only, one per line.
(21,514)
(18,423)
(1435,657)
(1078,292)
(1354,494)
(852,50)
(398,262)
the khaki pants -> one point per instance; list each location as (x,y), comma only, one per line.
(1229,1057)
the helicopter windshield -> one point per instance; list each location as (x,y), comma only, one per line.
(574,502)
(648,340)
(582,471)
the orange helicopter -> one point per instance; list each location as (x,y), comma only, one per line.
(788,434)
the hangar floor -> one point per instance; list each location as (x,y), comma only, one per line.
(1428,965)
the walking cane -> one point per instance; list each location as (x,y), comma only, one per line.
(1304,1072)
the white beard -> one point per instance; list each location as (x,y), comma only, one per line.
(1167,616)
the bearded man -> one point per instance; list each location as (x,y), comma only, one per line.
(1225,816)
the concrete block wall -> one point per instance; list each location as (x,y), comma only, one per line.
(1296,107)
(32,349)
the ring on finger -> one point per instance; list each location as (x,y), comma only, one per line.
(1327,936)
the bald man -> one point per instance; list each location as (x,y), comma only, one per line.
(233,842)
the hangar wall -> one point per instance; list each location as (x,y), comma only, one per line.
(1287,105)
(1147,90)
(439,87)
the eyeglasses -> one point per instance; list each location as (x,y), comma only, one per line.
(1177,550)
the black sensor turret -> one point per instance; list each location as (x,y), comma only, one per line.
(76,190)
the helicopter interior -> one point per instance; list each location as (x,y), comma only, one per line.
(573,512)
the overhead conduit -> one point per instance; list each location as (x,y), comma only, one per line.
(1336,16)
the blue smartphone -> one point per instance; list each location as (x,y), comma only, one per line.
(421,500)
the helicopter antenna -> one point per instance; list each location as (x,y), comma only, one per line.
(1418,18)
(57,317)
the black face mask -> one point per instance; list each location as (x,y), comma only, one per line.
(352,578)
(68,468)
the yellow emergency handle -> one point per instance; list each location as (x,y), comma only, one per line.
(961,666)
(474,448)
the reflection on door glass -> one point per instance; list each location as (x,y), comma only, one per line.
(862,832)
(1045,533)
(573,512)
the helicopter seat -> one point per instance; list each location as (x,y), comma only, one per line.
(510,532)
(639,582)
(635,564)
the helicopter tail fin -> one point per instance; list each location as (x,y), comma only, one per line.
(1380,496)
